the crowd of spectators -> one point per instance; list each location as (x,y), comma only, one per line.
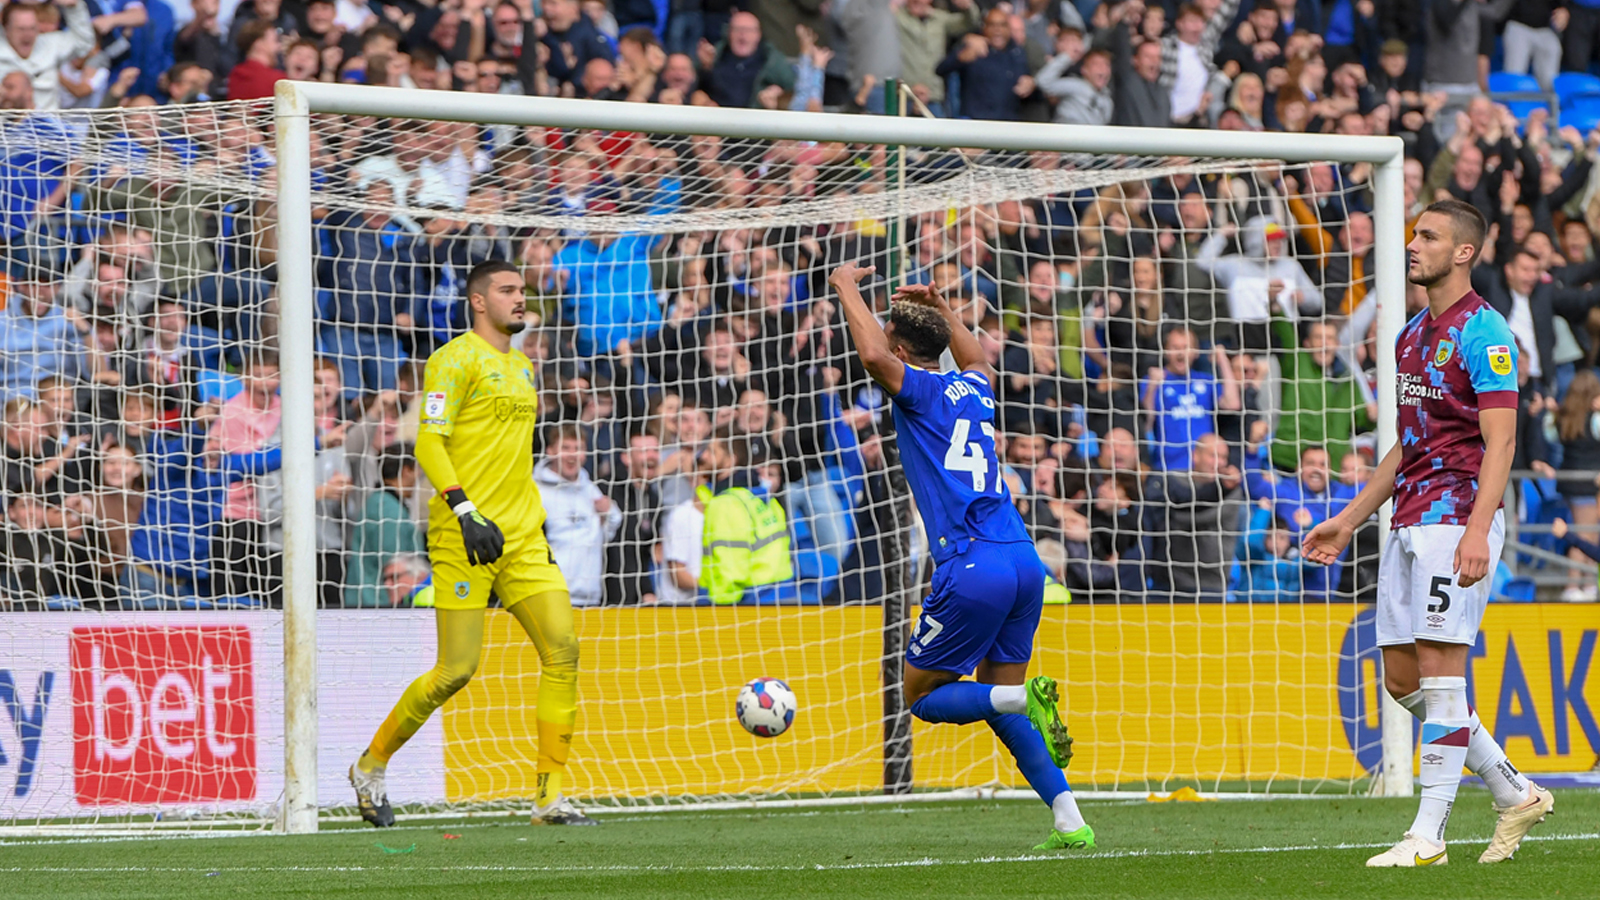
(1186,364)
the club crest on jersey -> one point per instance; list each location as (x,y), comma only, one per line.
(463,588)
(1500,359)
(528,374)
(1442,355)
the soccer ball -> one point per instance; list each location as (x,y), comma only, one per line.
(766,707)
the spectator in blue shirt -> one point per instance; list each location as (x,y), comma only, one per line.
(1273,570)
(605,279)
(368,273)
(995,75)
(151,30)
(1182,403)
(171,545)
(572,39)
(1302,502)
(38,338)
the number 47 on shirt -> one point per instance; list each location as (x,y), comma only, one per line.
(967,456)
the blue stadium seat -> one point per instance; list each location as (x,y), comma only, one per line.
(1583,114)
(1571,85)
(1517,590)
(1521,105)
(784,593)
(818,574)
(1508,83)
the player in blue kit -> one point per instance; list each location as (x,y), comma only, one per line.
(988,584)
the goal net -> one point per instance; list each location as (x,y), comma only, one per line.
(1186,359)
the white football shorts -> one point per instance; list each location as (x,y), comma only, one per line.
(1418,597)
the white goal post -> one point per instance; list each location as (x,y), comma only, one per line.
(297,102)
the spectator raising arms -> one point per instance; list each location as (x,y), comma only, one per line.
(40,56)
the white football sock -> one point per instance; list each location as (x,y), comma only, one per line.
(1445,734)
(1009,698)
(1484,756)
(1065,807)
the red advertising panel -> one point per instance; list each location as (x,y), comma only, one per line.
(163,715)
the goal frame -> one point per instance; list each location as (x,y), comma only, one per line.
(295,102)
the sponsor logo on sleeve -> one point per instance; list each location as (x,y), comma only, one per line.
(1500,359)
(433,406)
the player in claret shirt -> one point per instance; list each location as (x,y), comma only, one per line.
(1457,389)
(988,582)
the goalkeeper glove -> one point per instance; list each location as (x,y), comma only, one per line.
(482,538)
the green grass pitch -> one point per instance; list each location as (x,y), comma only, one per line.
(928,851)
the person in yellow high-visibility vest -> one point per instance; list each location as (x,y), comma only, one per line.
(745,543)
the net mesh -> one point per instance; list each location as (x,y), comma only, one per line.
(1173,340)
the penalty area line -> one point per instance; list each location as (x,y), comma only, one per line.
(924,862)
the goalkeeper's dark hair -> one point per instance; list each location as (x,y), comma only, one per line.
(478,278)
(922,330)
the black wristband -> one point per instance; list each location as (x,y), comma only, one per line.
(454,497)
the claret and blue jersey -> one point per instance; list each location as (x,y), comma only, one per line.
(1449,367)
(988,587)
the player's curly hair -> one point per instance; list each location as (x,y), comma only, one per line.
(921,329)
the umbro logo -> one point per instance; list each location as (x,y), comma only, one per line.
(1432,759)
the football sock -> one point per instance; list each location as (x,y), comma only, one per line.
(1033,758)
(1009,698)
(1446,732)
(1065,808)
(1484,756)
(958,703)
(460,635)
(547,618)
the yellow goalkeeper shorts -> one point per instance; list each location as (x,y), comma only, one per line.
(526,569)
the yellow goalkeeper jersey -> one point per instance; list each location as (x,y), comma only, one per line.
(483,403)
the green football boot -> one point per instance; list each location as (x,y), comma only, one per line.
(1042,698)
(1079,839)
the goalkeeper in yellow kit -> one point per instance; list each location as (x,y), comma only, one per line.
(485,532)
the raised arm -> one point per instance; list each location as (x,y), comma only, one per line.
(872,345)
(1231,399)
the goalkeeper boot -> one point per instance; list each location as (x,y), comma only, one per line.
(1412,851)
(371,796)
(1077,839)
(1042,698)
(1515,822)
(561,812)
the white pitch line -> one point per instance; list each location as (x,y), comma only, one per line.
(442,824)
(925,862)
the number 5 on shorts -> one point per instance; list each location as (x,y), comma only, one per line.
(1436,590)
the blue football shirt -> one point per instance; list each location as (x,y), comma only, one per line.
(945,423)
(1184,406)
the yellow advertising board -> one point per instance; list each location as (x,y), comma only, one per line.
(1153,694)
